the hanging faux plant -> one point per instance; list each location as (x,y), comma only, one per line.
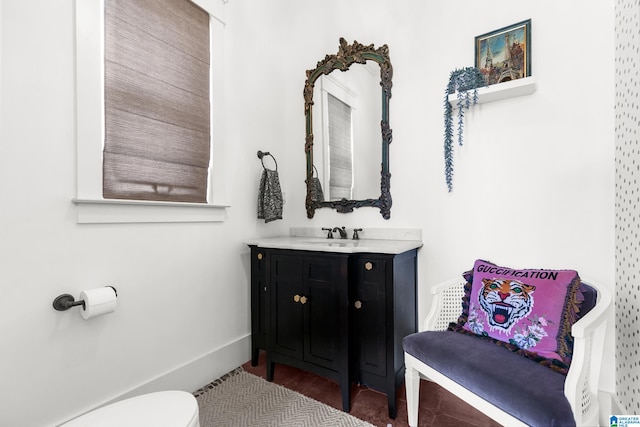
(465,83)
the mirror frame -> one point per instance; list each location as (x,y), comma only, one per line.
(347,55)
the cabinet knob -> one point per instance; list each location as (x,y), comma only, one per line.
(259,255)
(303,300)
(358,304)
(368,266)
(296,298)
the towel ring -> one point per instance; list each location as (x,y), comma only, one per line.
(261,155)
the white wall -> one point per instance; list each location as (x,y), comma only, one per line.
(184,294)
(534,182)
(533,185)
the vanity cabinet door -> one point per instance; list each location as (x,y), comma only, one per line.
(369,314)
(287,291)
(259,302)
(384,310)
(309,315)
(326,310)
(309,308)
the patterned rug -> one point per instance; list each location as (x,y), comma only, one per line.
(241,399)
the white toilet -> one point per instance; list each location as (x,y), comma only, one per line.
(161,409)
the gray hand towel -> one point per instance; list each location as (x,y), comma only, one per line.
(317,195)
(269,196)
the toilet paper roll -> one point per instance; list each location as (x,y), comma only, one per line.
(98,301)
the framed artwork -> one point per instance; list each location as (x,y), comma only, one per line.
(505,54)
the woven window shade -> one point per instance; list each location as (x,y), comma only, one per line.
(340,154)
(157,111)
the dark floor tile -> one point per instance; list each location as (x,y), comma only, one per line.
(317,388)
(258,370)
(371,405)
(447,420)
(430,396)
(464,413)
(437,406)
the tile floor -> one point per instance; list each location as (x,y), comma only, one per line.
(437,406)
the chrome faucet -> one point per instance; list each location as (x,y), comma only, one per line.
(342,231)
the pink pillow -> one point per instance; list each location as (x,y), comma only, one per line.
(532,309)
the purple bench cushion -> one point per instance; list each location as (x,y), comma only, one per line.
(590,297)
(528,391)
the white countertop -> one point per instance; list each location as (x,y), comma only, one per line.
(322,244)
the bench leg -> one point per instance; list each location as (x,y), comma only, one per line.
(412,385)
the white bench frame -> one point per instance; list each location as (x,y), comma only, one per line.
(581,385)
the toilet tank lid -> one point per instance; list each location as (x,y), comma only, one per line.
(161,409)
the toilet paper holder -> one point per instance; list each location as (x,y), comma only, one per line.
(65,301)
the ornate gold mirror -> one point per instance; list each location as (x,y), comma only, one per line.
(353,137)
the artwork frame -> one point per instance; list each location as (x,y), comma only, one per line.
(499,64)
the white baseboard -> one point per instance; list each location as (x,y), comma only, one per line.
(609,405)
(201,371)
(192,375)
(617,407)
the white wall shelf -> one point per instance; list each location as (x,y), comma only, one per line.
(497,92)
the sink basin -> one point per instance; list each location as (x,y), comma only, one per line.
(339,243)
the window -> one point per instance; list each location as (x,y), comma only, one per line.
(157,115)
(92,206)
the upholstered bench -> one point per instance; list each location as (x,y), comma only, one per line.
(511,389)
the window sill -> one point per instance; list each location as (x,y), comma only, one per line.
(107,211)
(500,91)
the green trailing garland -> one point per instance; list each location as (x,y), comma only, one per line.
(465,83)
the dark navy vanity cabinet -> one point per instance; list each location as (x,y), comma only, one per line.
(339,315)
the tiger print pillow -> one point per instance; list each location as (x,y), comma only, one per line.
(529,309)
